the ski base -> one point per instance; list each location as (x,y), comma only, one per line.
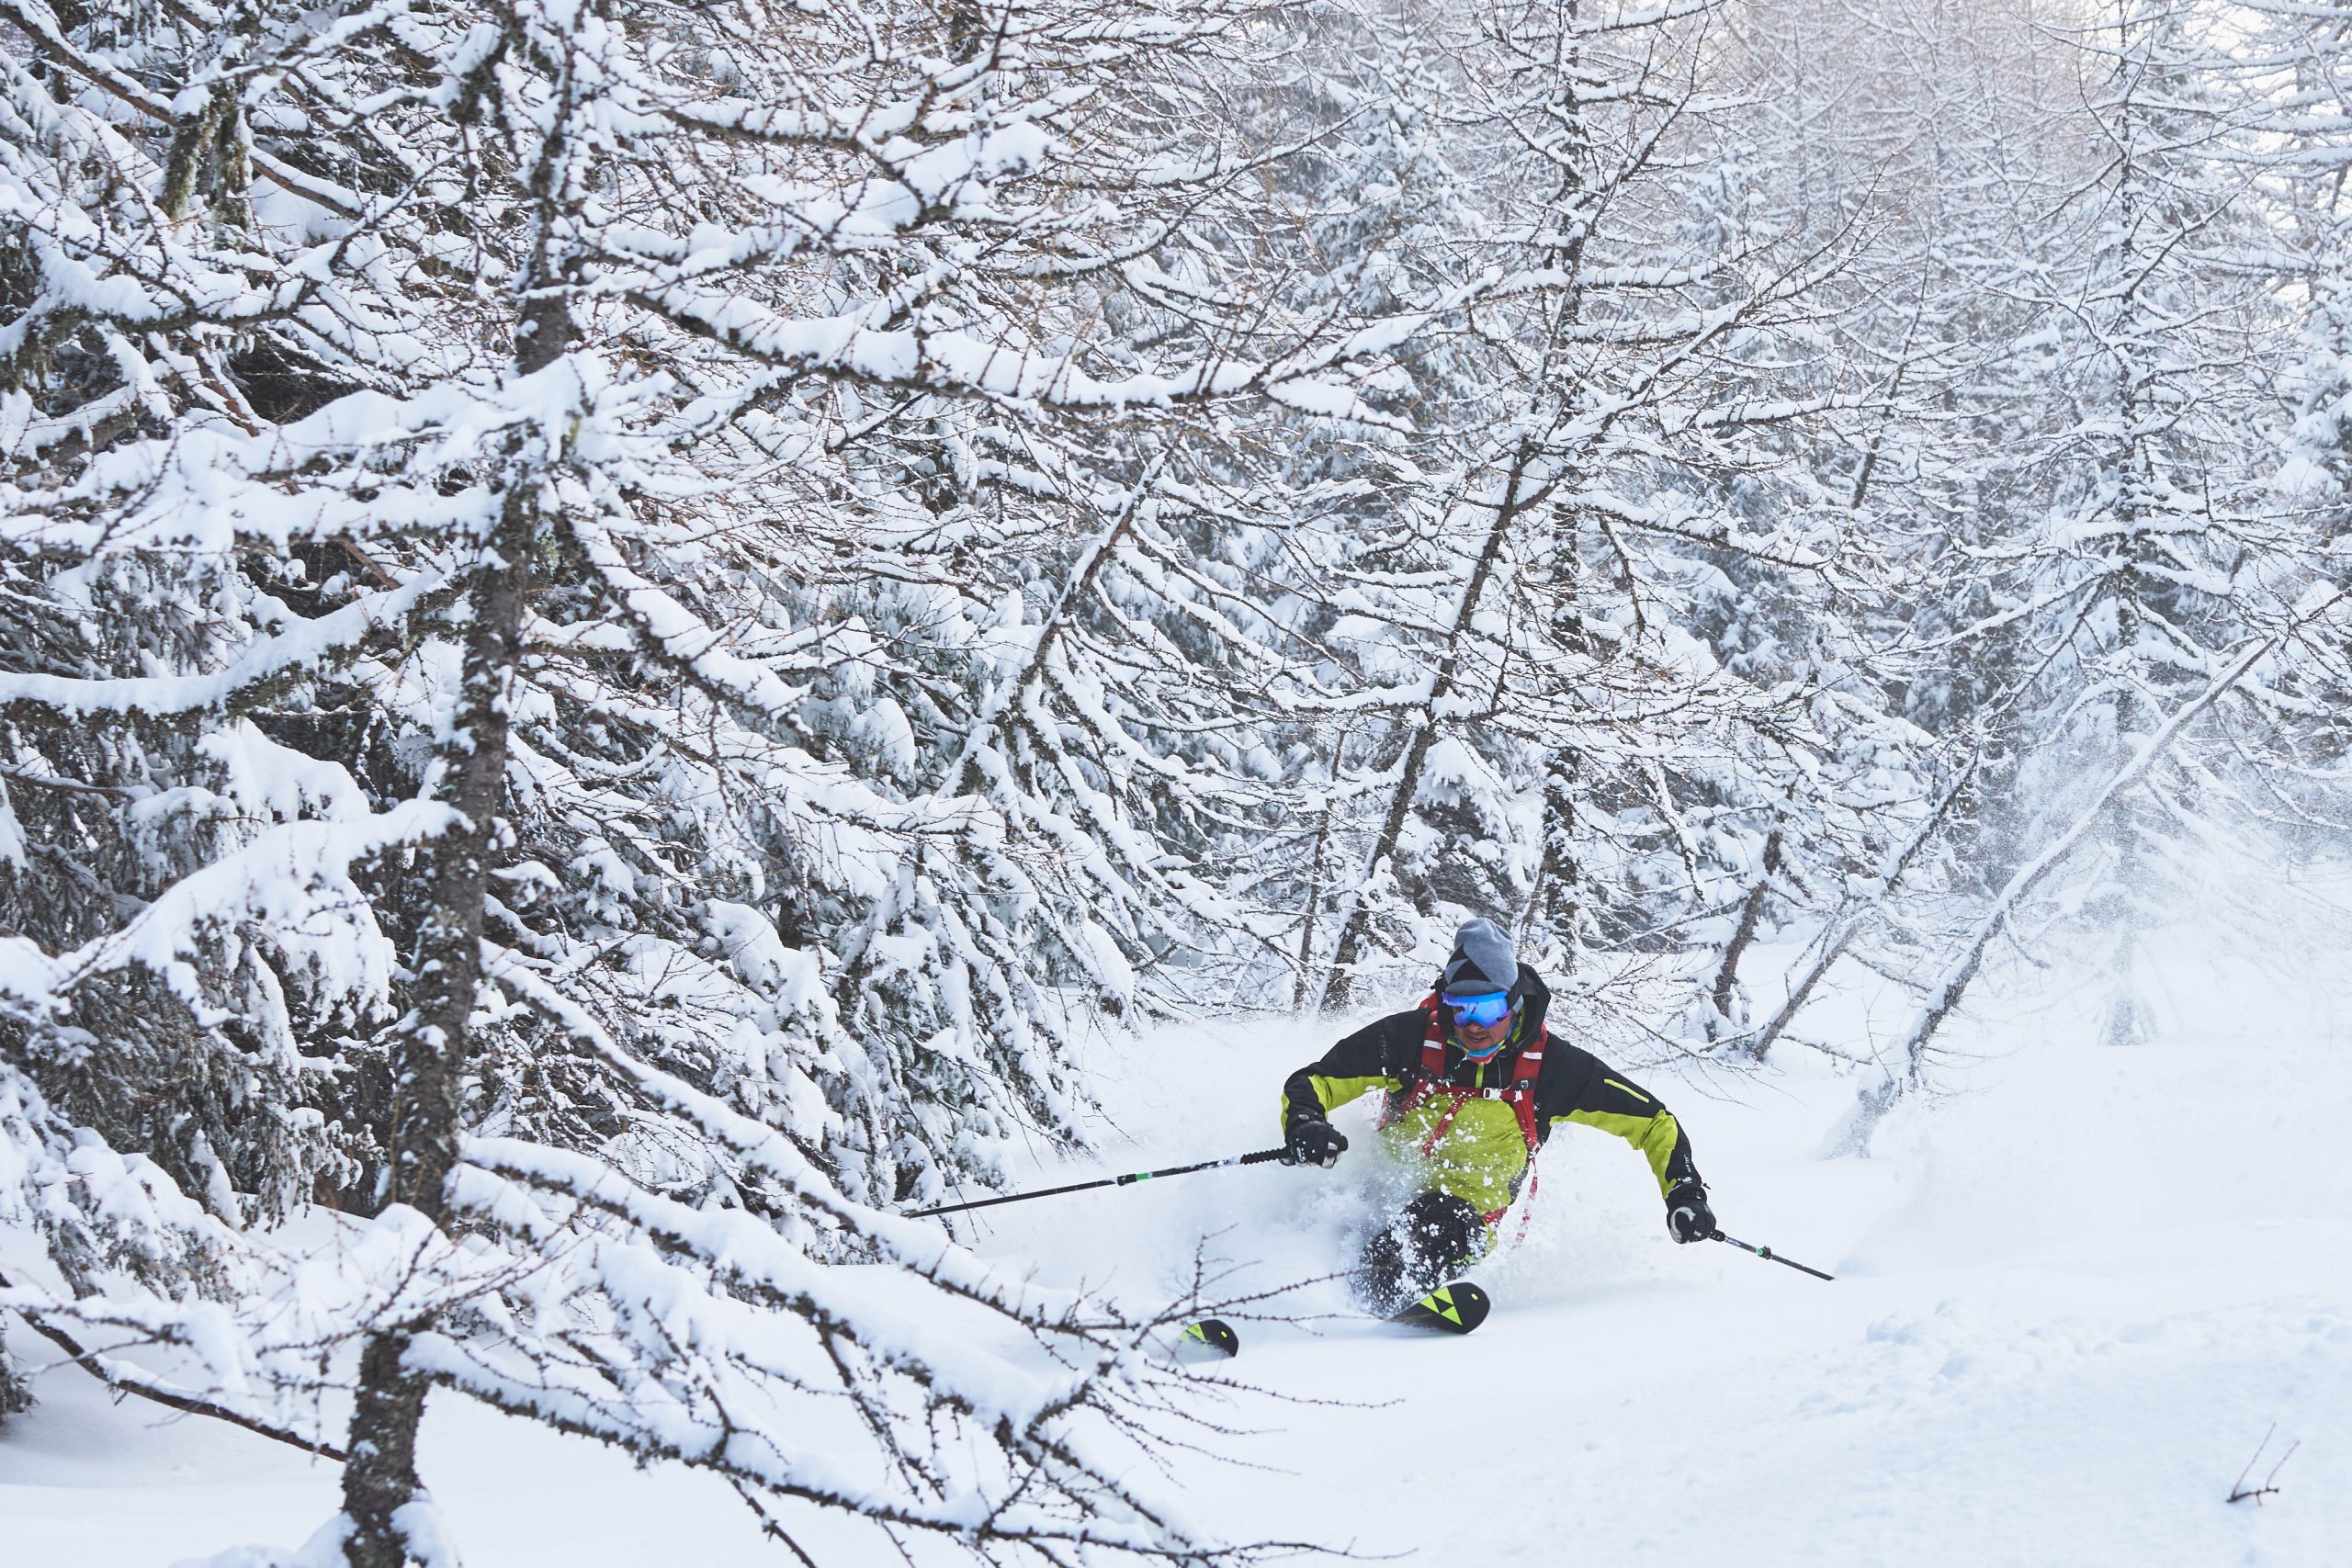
(1210,1339)
(1456,1308)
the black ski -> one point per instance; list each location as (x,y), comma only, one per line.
(1456,1308)
(1210,1339)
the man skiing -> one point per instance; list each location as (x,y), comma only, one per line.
(1474,1087)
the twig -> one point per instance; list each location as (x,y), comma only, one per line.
(2240,1493)
(119,1375)
(69,786)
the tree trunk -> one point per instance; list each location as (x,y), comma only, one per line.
(1313,901)
(428,1061)
(1910,1051)
(1751,917)
(1339,983)
(1510,505)
(1552,907)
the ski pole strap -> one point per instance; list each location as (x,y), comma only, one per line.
(1260,1158)
(1770,1256)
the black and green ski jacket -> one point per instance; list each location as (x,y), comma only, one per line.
(1482,1156)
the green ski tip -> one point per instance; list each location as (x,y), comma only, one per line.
(1456,1308)
(1211,1339)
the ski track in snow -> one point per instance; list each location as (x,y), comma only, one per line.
(2071,1303)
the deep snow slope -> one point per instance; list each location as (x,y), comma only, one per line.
(2072,1299)
(2071,1302)
(2057,1335)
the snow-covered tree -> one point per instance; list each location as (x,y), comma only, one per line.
(2105,622)
(435,441)
(1585,727)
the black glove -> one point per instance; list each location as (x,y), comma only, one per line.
(1687,1214)
(1314,1142)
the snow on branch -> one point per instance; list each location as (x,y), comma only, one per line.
(295,878)
(301,650)
(1911,1048)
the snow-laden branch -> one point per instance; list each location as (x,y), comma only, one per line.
(293,877)
(299,650)
(119,1374)
(1910,1049)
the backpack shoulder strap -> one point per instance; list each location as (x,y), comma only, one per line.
(1520,1095)
(1422,1078)
(1432,1040)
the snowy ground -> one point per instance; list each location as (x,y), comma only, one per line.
(2070,1303)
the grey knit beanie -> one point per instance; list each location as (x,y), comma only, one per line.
(1483,960)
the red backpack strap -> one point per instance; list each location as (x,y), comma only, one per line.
(1429,1080)
(1522,1096)
(1432,1040)
(1522,1092)
(1430,1071)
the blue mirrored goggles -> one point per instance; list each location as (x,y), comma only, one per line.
(1485,1010)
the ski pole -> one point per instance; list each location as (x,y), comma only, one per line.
(1260,1158)
(1769,1255)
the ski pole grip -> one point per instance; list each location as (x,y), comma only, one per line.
(1261,1156)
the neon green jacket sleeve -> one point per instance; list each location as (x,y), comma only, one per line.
(1586,1090)
(1369,1059)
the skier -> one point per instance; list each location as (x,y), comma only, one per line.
(1474,1085)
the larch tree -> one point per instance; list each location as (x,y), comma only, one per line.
(1572,736)
(430,435)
